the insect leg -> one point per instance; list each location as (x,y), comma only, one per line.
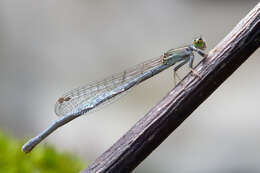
(191,65)
(177,68)
(200,52)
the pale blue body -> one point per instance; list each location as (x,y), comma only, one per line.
(182,55)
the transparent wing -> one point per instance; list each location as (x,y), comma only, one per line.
(84,95)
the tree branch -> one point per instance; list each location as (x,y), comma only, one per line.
(149,132)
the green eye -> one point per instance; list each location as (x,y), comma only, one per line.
(199,43)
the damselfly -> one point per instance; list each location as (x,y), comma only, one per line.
(84,99)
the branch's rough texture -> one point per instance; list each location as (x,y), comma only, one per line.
(131,149)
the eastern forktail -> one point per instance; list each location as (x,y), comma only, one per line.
(84,99)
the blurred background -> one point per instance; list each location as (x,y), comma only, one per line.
(49,47)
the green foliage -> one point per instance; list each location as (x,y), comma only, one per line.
(43,159)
